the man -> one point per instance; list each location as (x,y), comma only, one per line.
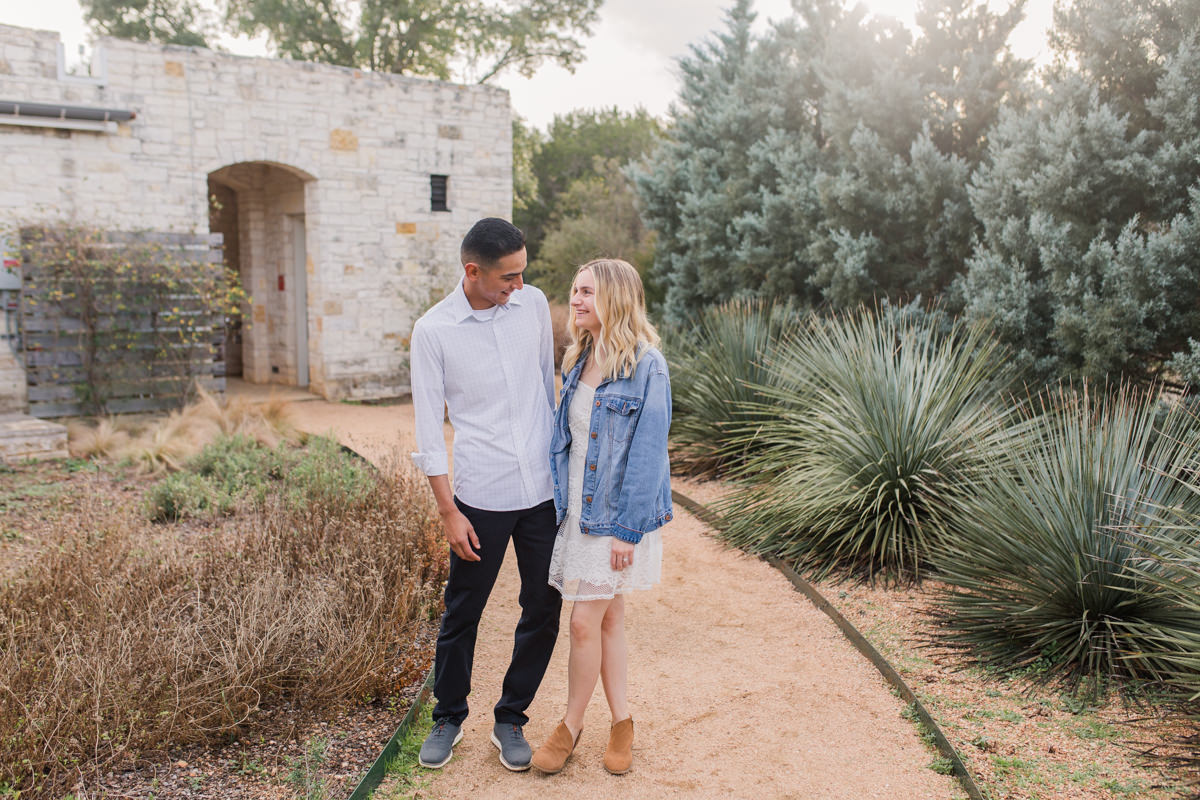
(485,352)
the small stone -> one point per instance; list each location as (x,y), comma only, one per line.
(181,764)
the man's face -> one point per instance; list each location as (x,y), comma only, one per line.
(496,283)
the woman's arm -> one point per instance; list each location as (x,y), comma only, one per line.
(647,466)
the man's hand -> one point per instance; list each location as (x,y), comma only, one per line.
(622,554)
(459,532)
(460,535)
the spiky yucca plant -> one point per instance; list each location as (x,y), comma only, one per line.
(1048,562)
(1166,559)
(1171,564)
(714,367)
(879,425)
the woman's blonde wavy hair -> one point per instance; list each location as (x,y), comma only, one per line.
(621,306)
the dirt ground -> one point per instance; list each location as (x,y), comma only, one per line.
(739,686)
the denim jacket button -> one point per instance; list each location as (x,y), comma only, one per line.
(593,434)
(597,404)
(588,498)
(592,467)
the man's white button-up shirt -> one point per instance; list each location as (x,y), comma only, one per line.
(493,370)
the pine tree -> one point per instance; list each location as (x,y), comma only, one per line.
(805,163)
(1089,263)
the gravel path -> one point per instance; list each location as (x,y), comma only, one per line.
(740,688)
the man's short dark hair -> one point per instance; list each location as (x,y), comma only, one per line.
(490,240)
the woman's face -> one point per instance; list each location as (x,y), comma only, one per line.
(583,302)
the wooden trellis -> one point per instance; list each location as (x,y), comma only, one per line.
(120,322)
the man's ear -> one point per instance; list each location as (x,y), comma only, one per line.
(472,270)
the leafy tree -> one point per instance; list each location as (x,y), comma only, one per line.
(418,37)
(168,21)
(569,152)
(526,142)
(596,216)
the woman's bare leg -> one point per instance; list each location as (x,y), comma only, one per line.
(613,659)
(583,665)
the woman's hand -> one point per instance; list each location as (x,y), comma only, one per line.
(622,554)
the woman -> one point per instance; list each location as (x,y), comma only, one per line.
(612,492)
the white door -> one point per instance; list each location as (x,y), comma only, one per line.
(300,281)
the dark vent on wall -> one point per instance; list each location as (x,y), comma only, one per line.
(437,193)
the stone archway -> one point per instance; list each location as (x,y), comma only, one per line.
(259,207)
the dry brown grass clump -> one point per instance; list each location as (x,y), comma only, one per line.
(164,444)
(102,440)
(121,638)
(267,422)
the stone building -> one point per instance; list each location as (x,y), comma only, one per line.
(342,195)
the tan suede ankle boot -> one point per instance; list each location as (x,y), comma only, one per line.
(619,756)
(552,756)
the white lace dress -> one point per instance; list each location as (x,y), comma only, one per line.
(580,567)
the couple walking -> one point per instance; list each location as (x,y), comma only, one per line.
(580,489)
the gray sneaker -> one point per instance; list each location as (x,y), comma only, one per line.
(514,750)
(439,744)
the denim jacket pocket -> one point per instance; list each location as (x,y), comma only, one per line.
(621,412)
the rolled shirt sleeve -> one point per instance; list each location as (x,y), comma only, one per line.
(429,403)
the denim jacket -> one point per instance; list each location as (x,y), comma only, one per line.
(627,483)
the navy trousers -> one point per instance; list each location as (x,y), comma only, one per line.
(532,532)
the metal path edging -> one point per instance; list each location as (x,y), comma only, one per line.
(371,780)
(860,643)
(374,776)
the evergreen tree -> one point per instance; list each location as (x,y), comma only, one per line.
(702,189)
(1120,46)
(966,71)
(1089,262)
(806,163)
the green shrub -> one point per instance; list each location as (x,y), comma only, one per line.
(324,474)
(180,495)
(237,469)
(714,368)
(1058,557)
(239,464)
(878,430)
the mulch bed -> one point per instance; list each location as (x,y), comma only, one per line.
(270,763)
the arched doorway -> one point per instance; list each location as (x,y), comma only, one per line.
(259,208)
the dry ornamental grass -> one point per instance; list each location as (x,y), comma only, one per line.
(122,639)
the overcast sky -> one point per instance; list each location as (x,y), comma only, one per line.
(630,58)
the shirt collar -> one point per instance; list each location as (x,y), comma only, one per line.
(462,306)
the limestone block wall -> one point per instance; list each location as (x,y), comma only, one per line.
(346,154)
(13,397)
